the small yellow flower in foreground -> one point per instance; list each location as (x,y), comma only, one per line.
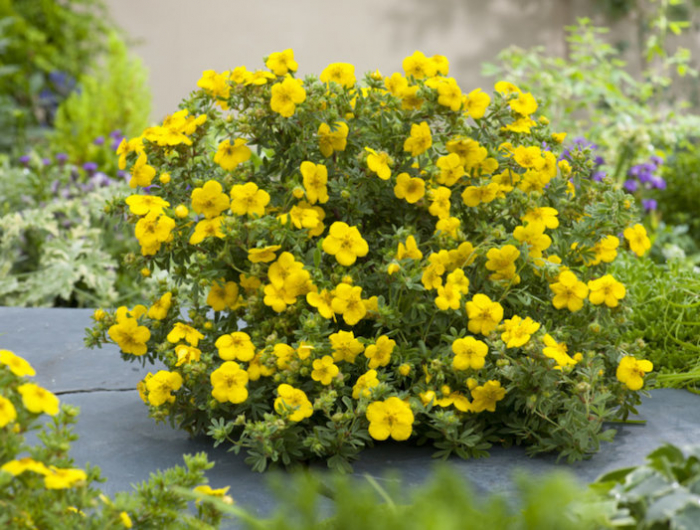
(638,239)
(544,215)
(248,199)
(206,228)
(518,331)
(419,66)
(324,370)
(295,400)
(187,354)
(209,200)
(506,88)
(37,399)
(181,211)
(469,353)
(141,173)
(364,385)
(341,73)
(144,204)
(126,520)
(475,103)
(219,492)
(345,243)
(410,250)
(347,301)
(485,397)
(17,467)
(229,383)
(183,331)
(129,336)
(222,295)
(606,290)
(8,413)
(631,371)
(229,155)
(525,104)
(569,292)
(379,163)
(391,417)
(159,310)
(412,189)
(331,141)
(286,96)
(557,351)
(282,62)
(16,364)
(315,178)
(345,346)
(63,478)
(263,254)
(160,386)
(449,94)
(236,345)
(379,354)
(484,314)
(420,139)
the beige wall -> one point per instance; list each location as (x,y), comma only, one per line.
(181,38)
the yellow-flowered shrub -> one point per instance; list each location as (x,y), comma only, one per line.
(343,262)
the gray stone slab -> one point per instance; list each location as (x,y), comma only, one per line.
(117,435)
(52,341)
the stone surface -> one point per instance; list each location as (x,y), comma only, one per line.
(117,435)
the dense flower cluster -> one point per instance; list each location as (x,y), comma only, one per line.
(395,259)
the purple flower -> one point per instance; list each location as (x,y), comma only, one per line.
(90,167)
(649,204)
(24,159)
(99,140)
(658,182)
(61,158)
(599,175)
(631,185)
(599,161)
(46,161)
(116,134)
(656,160)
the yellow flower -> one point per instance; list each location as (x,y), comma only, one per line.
(17,467)
(141,173)
(638,239)
(182,331)
(315,178)
(222,295)
(229,155)
(484,314)
(469,353)
(341,73)
(391,417)
(248,199)
(286,96)
(263,254)
(324,370)
(557,351)
(605,250)
(216,86)
(144,204)
(187,354)
(331,141)
(569,292)
(379,163)
(293,400)
(282,62)
(502,262)
(345,346)
(506,88)
(229,383)
(236,345)
(474,195)
(485,397)
(559,137)
(544,215)
(440,202)
(525,104)
(448,297)
(518,331)
(420,139)
(451,169)
(8,413)
(16,364)
(364,385)
(606,290)
(181,211)
(345,243)
(379,353)
(347,301)
(63,478)
(529,157)
(249,283)
(219,493)
(419,66)
(475,103)
(129,336)
(206,228)
(37,399)
(410,250)
(209,200)
(159,310)
(161,385)
(410,188)
(321,301)
(533,235)
(135,145)
(126,520)
(153,230)
(449,94)
(448,226)
(631,371)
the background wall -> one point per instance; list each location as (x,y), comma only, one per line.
(178,39)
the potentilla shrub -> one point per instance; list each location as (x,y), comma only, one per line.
(350,262)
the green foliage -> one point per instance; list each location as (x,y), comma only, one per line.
(50,493)
(552,390)
(666,314)
(57,246)
(115,97)
(45,46)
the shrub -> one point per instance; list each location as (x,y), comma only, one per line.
(350,263)
(40,488)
